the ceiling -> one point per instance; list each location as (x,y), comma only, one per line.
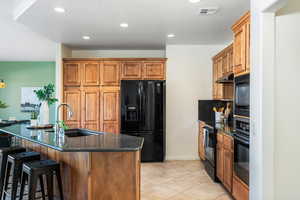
(18,42)
(149,22)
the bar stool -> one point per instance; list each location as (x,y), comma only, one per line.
(4,152)
(14,163)
(36,169)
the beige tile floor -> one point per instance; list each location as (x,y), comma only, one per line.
(179,180)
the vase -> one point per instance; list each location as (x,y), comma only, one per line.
(44,113)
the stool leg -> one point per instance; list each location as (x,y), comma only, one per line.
(3,171)
(32,186)
(23,183)
(59,183)
(7,175)
(42,187)
(50,186)
(15,180)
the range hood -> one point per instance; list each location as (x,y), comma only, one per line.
(227,78)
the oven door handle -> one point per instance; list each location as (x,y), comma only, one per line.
(243,141)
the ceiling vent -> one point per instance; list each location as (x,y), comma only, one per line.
(208,11)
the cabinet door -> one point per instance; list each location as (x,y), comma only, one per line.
(240,191)
(131,71)
(239,50)
(248,46)
(110,73)
(230,60)
(215,74)
(228,169)
(91,108)
(201,149)
(154,70)
(225,63)
(110,109)
(91,74)
(219,75)
(71,73)
(73,98)
(220,162)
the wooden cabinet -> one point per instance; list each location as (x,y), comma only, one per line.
(223,65)
(240,191)
(131,71)
(72,73)
(220,158)
(225,160)
(91,73)
(154,70)
(92,88)
(110,73)
(110,109)
(91,108)
(72,96)
(241,45)
(201,147)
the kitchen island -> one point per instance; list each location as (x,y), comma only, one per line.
(94,166)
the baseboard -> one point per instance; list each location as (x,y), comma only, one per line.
(182,158)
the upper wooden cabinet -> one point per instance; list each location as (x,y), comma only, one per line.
(131,71)
(110,73)
(71,74)
(154,70)
(91,73)
(223,65)
(241,45)
(110,109)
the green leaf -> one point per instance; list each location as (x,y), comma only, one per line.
(46,94)
(3,105)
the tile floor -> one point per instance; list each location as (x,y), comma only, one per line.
(179,180)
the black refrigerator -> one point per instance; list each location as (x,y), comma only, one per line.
(143,115)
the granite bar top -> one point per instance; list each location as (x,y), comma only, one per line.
(99,142)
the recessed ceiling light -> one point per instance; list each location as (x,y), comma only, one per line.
(124,25)
(86,37)
(194,1)
(171,35)
(59,10)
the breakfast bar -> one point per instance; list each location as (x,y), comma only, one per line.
(94,165)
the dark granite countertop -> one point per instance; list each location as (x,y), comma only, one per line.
(101,142)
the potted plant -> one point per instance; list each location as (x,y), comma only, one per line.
(46,96)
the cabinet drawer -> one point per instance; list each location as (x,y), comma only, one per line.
(228,142)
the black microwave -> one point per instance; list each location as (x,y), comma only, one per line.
(242,95)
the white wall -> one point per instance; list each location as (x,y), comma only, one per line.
(118,53)
(189,78)
(287,98)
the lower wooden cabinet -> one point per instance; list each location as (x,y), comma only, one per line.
(201,147)
(240,191)
(225,160)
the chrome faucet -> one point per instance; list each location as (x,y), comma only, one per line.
(60,130)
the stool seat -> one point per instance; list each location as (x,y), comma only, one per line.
(24,156)
(42,165)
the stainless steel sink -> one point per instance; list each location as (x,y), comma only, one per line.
(79,133)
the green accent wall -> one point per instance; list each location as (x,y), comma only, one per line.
(23,74)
